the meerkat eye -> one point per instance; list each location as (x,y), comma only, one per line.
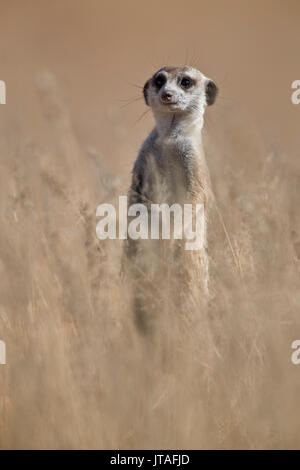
(186,82)
(159,81)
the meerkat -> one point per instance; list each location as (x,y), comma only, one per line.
(171,168)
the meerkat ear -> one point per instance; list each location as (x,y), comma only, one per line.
(145,91)
(211,91)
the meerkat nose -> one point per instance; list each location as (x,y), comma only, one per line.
(166,97)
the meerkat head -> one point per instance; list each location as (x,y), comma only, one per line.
(179,90)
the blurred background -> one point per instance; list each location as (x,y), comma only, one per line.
(99,49)
(77,373)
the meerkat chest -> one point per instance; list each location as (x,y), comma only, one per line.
(180,161)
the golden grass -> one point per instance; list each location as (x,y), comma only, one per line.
(78,375)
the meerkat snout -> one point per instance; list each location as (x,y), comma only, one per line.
(166,97)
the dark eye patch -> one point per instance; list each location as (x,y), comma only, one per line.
(186,82)
(159,80)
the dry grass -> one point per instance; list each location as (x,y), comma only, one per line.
(78,374)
